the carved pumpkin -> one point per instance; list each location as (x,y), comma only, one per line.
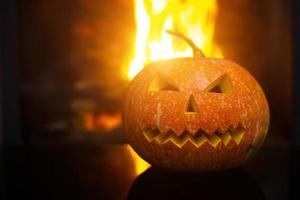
(195,113)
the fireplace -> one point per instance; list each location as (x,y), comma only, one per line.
(66,64)
(73,67)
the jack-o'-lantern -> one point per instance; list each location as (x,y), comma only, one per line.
(195,113)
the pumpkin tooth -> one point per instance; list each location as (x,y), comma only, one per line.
(201,140)
(195,132)
(176,140)
(177,133)
(192,140)
(185,138)
(214,140)
(219,131)
(226,138)
(200,132)
(162,138)
(164,130)
(238,135)
(209,132)
(151,135)
(232,127)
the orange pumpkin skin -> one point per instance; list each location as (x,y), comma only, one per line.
(222,131)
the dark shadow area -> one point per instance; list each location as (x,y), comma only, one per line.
(68,172)
(108,172)
(229,184)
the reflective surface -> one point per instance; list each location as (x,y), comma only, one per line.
(228,184)
(109,172)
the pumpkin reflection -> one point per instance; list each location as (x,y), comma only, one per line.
(230,184)
(82,172)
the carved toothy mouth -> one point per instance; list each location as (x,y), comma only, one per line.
(197,139)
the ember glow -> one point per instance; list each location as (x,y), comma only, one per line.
(140,164)
(108,122)
(194,18)
(101,122)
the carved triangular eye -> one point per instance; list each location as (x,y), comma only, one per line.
(222,84)
(162,83)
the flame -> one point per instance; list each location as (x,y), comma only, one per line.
(101,122)
(140,164)
(194,18)
(108,121)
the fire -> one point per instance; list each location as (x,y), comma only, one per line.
(108,122)
(101,122)
(140,164)
(194,18)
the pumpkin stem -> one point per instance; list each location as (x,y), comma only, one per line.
(197,53)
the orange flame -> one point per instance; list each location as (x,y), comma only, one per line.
(194,18)
(140,164)
(101,122)
(108,121)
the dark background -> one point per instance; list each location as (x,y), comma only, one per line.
(48,49)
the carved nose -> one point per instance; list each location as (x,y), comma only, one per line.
(191,106)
